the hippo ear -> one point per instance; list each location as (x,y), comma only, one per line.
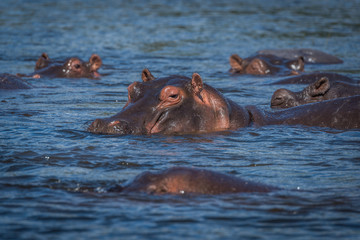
(320,87)
(236,62)
(42,61)
(146,75)
(300,64)
(296,65)
(95,62)
(196,84)
(45,56)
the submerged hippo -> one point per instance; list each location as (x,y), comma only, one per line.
(9,81)
(266,65)
(70,68)
(309,55)
(179,105)
(312,77)
(184,180)
(320,90)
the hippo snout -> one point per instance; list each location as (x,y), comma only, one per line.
(104,126)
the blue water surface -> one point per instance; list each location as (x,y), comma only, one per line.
(54,175)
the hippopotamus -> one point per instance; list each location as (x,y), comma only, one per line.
(312,77)
(9,81)
(309,55)
(185,180)
(70,68)
(266,65)
(180,105)
(320,90)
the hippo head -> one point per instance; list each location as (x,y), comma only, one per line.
(264,65)
(255,66)
(315,92)
(71,68)
(185,180)
(170,105)
(283,98)
(173,181)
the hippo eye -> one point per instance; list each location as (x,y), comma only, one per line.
(77,66)
(174,96)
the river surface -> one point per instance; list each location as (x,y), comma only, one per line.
(54,175)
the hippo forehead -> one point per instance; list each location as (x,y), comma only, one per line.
(160,83)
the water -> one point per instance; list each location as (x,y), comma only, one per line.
(54,175)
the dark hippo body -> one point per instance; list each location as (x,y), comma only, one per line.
(320,90)
(266,65)
(184,180)
(70,68)
(341,113)
(309,55)
(9,81)
(313,77)
(180,105)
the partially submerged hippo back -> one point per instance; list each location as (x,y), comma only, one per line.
(340,113)
(313,77)
(184,180)
(9,81)
(320,90)
(70,68)
(265,65)
(309,55)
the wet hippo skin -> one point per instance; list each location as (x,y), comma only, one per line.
(185,180)
(70,68)
(265,65)
(180,105)
(312,77)
(309,55)
(9,81)
(320,90)
(341,113)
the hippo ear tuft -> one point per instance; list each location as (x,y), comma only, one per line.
(42,62)
(146,75)
(300,63)
(320,87)
(95,62)
(45,56)
(236,62)
(196,83)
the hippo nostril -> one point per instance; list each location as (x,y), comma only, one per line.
(106,126)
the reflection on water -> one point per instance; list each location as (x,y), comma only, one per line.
(54,175)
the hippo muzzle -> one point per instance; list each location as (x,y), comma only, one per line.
(103,126)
